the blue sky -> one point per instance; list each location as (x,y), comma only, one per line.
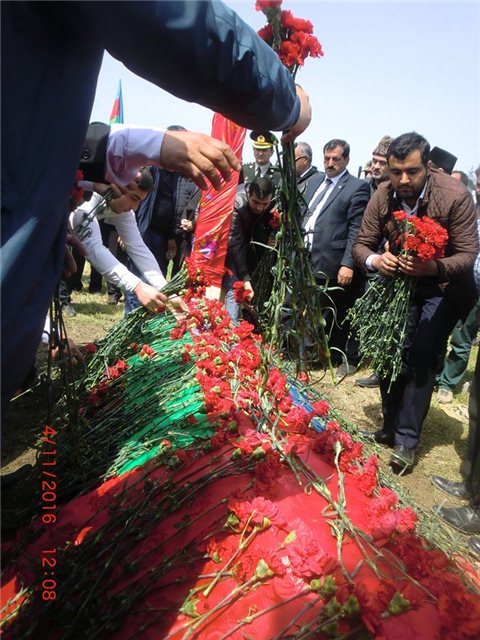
(389,67)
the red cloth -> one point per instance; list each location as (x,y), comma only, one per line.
(213,224)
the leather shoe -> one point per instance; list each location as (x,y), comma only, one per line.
(402,459)
(455,489)
(380,437)
(8,479)
(465,519)
(474,544)
(344,370)
(369,383)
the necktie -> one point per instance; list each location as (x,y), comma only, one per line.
(325,185)
(258,173)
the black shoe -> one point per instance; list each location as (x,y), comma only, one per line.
(402,459)
(94,290)
(69,310)
(455,489)
(344,370)
(380,437)
(113,299)
(368,383)
(465,519)
(8,479)
(474,544)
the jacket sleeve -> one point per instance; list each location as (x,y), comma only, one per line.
(200,51)
(370,235)
(355,213)
(463,243)
(237,248)
(99,256)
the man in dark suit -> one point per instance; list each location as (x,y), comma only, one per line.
(303,165)
(336,202)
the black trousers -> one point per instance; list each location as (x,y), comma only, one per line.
(406,405)
(471,467)
(336,303)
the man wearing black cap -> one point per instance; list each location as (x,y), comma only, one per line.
(263,144)
(442,160)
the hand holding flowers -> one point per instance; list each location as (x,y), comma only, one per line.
(380,316)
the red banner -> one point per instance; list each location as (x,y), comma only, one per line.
(213,223)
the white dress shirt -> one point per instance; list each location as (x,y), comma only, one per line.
(104,261)
(130,147)
(324,189)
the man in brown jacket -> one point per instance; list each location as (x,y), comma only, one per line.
(441,287)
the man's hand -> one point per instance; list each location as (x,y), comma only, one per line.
(150,297)
(171,249)
(249,292)
(386,263)
(69,264)
(101,188)
(344,276)
(187,225)
(304,117)
(177,306)
(413,266)
(70,352)
(198,156)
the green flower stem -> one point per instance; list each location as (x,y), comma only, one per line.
(244,543)
(249,619)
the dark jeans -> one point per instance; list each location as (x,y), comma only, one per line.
(406,405)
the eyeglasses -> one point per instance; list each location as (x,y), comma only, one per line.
(300,158)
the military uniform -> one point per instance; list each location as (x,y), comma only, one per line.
(262,140)
(247,173)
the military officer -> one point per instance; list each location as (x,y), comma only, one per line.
(263,147)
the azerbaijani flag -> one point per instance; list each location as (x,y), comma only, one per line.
(116,117)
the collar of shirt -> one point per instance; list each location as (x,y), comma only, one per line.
(263,168)
(407,209)
(335,179)
(305,172)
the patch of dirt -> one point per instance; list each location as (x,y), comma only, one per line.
(442,446)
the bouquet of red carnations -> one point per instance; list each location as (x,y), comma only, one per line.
(380,317)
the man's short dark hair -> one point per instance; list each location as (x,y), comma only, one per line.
(405,144)
(144,179)
(261,187)
(463,176)
(336,142)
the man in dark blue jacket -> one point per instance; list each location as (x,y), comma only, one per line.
(50,66)
(336,202)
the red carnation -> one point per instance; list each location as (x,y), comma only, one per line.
(261,5)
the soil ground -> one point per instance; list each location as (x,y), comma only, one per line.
(442,446)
